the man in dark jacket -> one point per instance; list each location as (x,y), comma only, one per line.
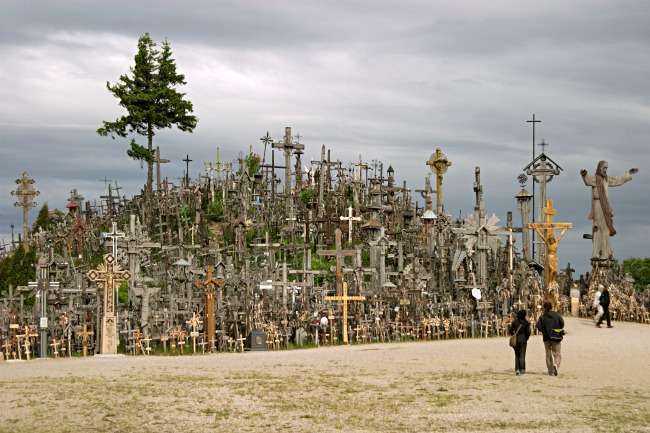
(604,302)
(521,327)
(551,325)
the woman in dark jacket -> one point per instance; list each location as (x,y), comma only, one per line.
(522,340)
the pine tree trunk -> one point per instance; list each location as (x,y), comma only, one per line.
(148,192)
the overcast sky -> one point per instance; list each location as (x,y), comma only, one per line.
(389,80)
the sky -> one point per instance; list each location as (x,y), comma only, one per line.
(389,80)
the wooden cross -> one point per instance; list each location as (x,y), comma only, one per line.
(85,335)
(209,285)
(159,161)
(350,219)
(194,322)
(187,161)
(55,346)
(340,254)
(107,276)
(344,299)
(546,230)
(29,333)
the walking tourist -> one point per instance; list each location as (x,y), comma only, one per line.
(551,325)
(520,330)
(604,302)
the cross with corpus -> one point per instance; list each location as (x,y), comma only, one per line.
(350,219)
(108,276)
(546,230)
(439,164)
(339,253)
(25,193)
(344,299)
(208,285)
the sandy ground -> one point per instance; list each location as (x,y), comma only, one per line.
(447,386)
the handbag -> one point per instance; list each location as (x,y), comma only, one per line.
(513,338)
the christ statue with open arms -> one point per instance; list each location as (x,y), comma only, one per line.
(601,214)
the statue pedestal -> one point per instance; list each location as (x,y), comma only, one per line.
(109,335)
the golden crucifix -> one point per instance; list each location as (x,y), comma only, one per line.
(546,231)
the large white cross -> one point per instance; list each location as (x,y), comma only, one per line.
(350,219)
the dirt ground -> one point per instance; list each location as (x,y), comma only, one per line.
(438,386)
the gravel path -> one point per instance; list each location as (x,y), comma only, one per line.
(447,386)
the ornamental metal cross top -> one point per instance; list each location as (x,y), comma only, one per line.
(350,219)
(344,299)
(339,253)
(25,193)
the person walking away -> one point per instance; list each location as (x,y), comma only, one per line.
(604,302)
(551,325)
(520,328)
(597,307)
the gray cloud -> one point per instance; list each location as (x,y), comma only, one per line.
(364,77)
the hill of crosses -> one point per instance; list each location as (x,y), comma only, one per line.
(271,252)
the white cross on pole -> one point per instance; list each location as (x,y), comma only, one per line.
(350,219)
(114,235)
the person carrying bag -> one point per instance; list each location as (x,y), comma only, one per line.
(520,333)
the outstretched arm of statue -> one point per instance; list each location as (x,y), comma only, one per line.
(620,180)
(587,179)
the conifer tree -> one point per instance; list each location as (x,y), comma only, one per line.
(151,100)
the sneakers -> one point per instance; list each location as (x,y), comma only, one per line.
(610,326)
(517,373)
(554,371)
(597,325)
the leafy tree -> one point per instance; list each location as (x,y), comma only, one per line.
(215,209)
(151,100)
(639,269)
(17,268)
(42,220)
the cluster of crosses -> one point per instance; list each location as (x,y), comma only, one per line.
(241,258)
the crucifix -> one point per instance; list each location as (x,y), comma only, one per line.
(187,161)
(25,193)
(209,284)
(85,335)
(439,164)
(108,275)
(350,219)
(546,231)
(344,299)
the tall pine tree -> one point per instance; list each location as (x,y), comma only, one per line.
(151,100)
